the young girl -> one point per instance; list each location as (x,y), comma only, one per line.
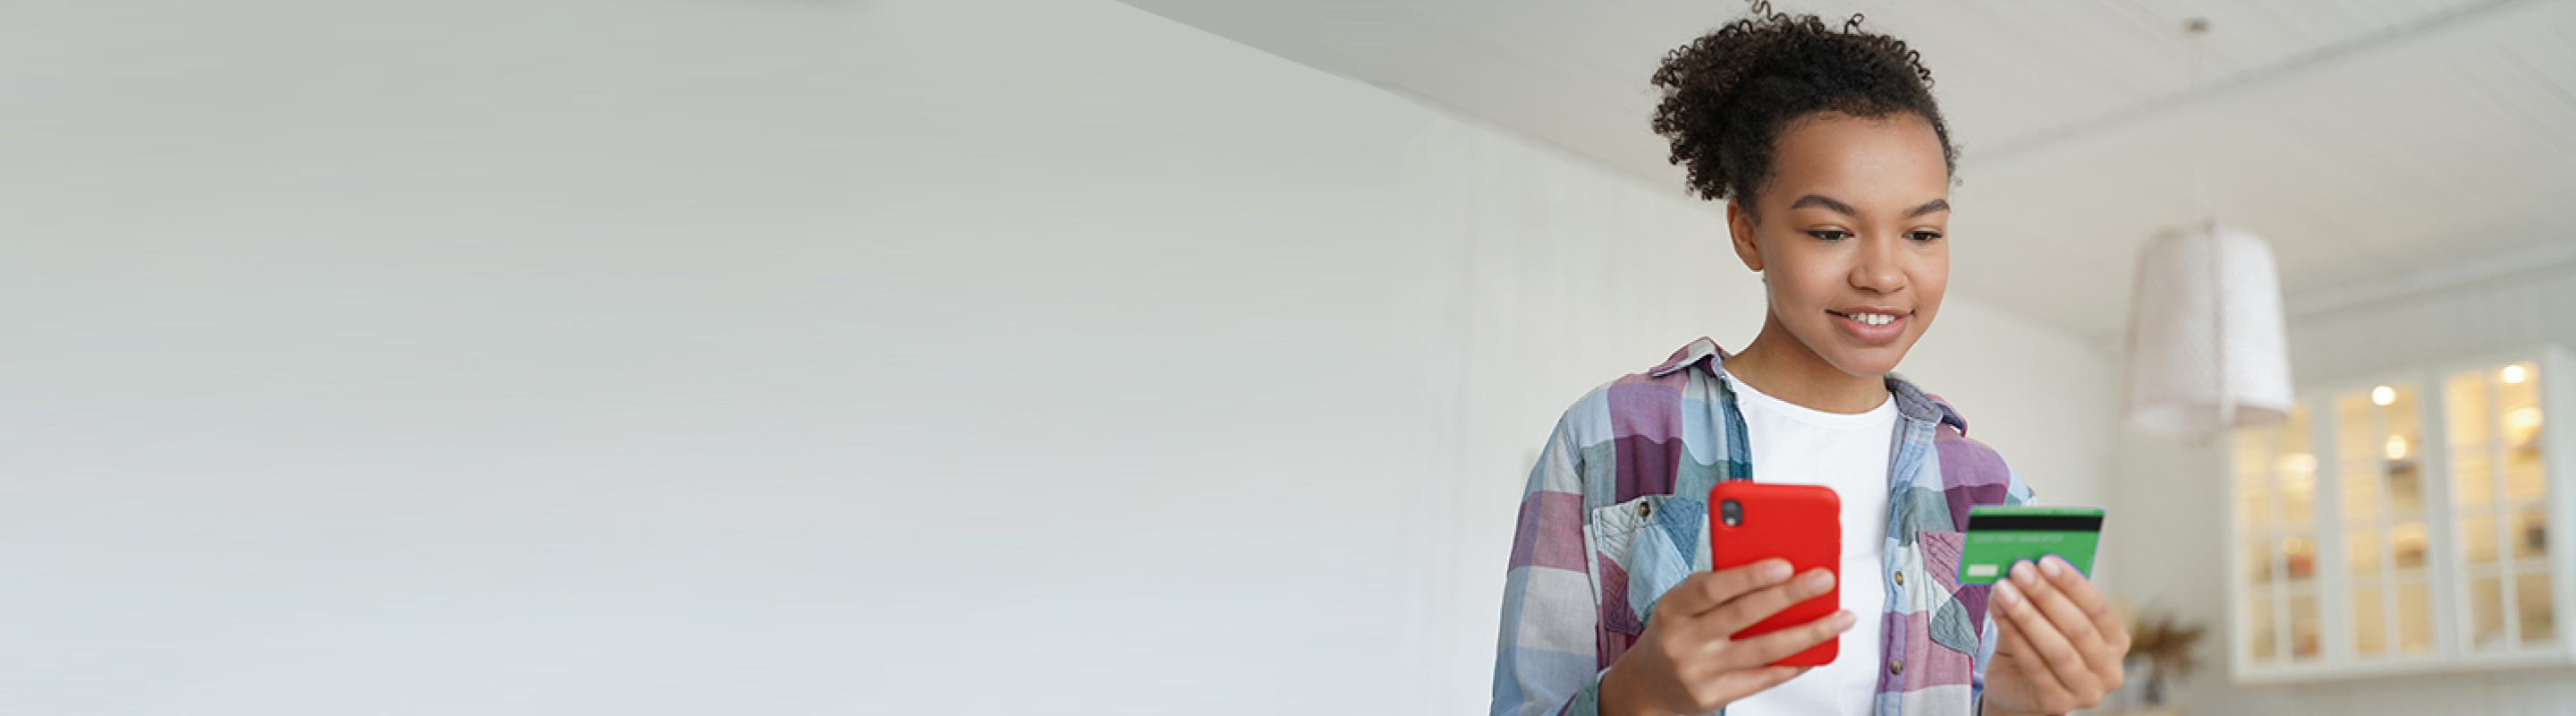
(1836,168)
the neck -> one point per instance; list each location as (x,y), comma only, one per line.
(1781,367)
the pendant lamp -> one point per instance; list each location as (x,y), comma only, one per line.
(2208,347)
(2208,350)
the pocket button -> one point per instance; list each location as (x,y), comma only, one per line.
(1645,509)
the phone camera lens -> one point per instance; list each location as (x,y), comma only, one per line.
(1730,512)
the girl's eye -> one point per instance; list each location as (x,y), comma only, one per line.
(1830,234)
(1924,236)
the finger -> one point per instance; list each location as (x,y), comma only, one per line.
(2040,583)
(1760,604)
(2015,648)
(2112,639)
(2048,645)
(1706,590)
(2043,584)
(2097,608)
(1767,648)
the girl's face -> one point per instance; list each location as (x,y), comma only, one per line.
(1851,236)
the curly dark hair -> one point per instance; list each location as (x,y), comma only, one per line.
(1729,94)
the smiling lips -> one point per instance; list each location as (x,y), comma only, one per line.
(1872,325)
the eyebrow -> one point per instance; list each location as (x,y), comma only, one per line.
(1833,204)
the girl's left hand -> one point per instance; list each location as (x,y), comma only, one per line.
(2062,643)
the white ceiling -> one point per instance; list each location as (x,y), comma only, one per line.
(2382,145)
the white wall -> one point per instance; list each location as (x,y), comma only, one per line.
(684,357)
(2179,486)
(672,356)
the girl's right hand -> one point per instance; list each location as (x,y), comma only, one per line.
(1685,662)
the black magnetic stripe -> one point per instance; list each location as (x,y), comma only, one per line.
(2034,523)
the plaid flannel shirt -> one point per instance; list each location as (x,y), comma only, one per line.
(1614,513)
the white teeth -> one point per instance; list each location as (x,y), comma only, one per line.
(1872,319)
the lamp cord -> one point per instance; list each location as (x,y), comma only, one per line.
(2197,29)
(2211,241)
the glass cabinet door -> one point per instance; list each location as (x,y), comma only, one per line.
(2402,527)
(2500,489)
(2276,480)
(2379,449)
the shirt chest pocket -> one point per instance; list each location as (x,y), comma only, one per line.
(1640,549)
(1956,613)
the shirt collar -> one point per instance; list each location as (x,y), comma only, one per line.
(1911,402)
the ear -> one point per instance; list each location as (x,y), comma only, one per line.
(1739,226)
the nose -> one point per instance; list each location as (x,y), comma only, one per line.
(1880,266)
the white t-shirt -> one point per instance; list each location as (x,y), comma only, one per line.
(1849,453)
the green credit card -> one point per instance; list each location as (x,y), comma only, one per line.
(2000,536)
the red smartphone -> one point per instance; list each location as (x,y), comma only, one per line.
(1752,521)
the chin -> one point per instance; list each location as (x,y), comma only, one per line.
(1868,362)
(1866,369)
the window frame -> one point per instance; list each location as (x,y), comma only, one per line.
(2446,569)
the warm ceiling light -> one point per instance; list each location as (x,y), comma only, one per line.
(2383,395)
(2396,448)
(2514,374)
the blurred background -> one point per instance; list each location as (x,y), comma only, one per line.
(855,356)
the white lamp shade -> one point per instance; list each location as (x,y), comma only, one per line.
(2208,350)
